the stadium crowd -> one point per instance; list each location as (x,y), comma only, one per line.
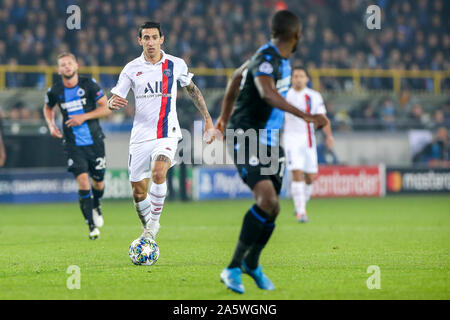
(223,34)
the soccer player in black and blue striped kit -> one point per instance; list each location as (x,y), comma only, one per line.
(82,102)
(260,86)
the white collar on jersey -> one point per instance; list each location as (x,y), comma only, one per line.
(148,62)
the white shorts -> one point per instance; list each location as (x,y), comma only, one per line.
(142,154)
(301,157)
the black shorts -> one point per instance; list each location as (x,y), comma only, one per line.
(254,169)
(87,159)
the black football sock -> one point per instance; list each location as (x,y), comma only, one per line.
(252,227)
(85,198)
(253,254)
(98,194)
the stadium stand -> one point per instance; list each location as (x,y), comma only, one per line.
(222,34)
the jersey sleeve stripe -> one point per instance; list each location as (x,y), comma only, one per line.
(263,74)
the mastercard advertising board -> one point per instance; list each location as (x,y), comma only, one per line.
(417,180)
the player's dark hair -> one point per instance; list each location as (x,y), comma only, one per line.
(150,25)
(285,24)
(300,67)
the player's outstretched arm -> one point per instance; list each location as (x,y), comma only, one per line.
(99,112)
(197,97)
(231,93)
(49,115)
(267,91)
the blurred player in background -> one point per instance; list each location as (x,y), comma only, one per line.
(154,138)
(299,140)
(77,98)
(263,83)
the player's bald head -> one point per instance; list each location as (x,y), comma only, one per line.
(285,25)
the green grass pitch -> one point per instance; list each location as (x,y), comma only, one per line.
(408,238)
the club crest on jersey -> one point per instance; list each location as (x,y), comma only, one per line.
(265,67)
(168,73)
(138,74)
(80,92)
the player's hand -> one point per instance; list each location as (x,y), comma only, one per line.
(329,142)
(116,102)
(55,133)
(75,120)
(317,119)
(210,132)
(221,126)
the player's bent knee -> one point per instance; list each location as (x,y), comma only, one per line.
(83,181)
(158,176)
(139,196)
(270,205)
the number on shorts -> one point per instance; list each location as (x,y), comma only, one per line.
(101,163)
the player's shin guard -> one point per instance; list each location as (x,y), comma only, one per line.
(98,194)
(298,196)
(254,253)
(157,196)
(85,199)
(252,228)
(143,210)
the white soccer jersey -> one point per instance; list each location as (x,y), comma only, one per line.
(155,92)
(309,101)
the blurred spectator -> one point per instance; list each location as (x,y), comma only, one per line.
(387,115)
(437,152)
(365,117)
(416,118)
(438,120)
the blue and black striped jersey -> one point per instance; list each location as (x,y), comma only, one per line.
(251,111)
(77,100)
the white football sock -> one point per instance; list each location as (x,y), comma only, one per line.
(157,195)
(143,210)
(298,195)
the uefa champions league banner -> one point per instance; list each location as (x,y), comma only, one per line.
(55,185)
(43,185)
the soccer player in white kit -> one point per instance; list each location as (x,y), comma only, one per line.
(154,138)
(299,140)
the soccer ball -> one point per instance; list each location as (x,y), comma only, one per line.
(143,251)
